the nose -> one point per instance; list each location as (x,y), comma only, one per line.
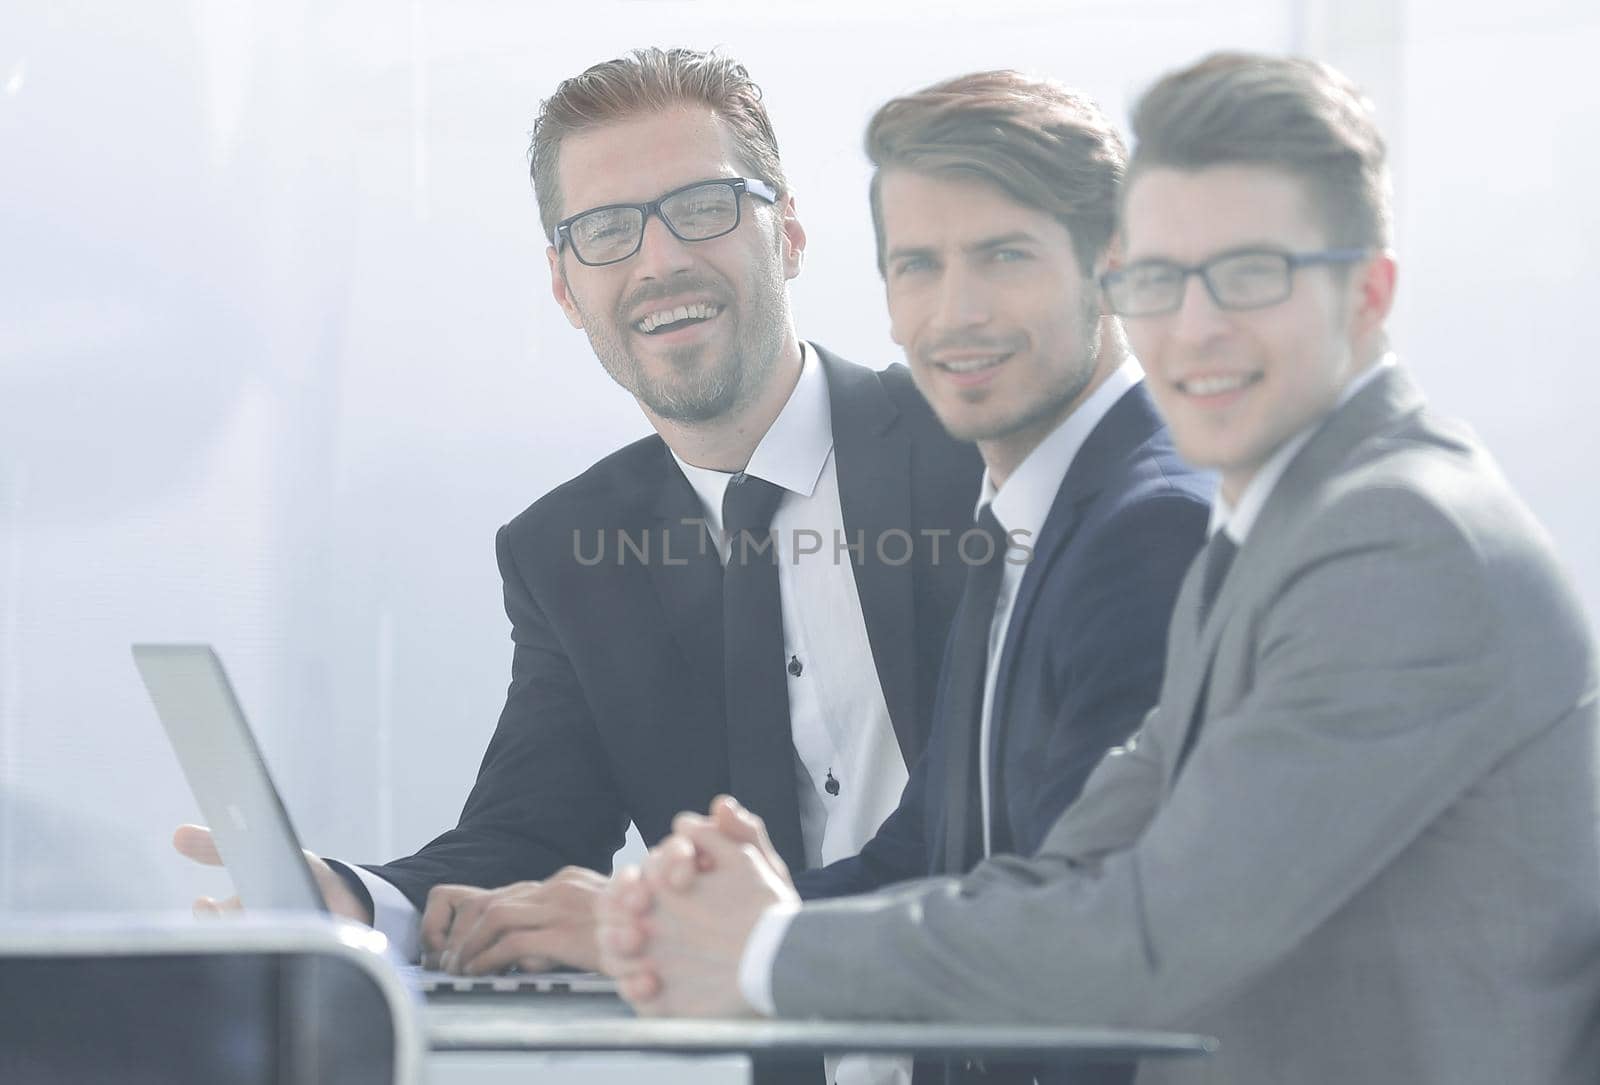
(963,301)
(661,255)
(1198,319)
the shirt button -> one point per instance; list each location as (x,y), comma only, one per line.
(796,668)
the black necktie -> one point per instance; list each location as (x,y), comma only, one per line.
(760,747)
(1218,557)
(1220,552)
(963,692)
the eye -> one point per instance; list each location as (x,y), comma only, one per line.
(910,265)
(1008,256)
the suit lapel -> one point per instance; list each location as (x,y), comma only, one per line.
(872,458)
(1390,398)
(1128,424)
(687,574)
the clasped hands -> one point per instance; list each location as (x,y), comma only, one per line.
(673,930)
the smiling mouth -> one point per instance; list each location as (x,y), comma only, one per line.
(1218,385)
(671,320)
(967,366)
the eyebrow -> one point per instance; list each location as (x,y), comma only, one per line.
(1231,250)
(987,244)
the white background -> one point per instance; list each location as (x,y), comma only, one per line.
(277,351)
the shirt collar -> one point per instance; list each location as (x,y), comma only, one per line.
(792,452)
(1023,503)
(1237,520)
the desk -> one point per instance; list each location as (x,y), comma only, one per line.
(473,1038)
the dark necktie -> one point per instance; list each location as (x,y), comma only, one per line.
(1218,558)
(1220,552)
(963,694)
(760,746)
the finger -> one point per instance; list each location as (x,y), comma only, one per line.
(740,824)
(211,907)
(529,950)
(440,914)
(498,919)
(641,991)
(196,842)
(687,819)
(469,915)
(625,939)
(719,849)
(629,893)
(671,864)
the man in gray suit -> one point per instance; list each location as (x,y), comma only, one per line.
(1357,839)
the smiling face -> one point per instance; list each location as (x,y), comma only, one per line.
(999,324)
(692,329)
(1235,385)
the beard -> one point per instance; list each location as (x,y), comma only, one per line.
(691,383)
(1051,401)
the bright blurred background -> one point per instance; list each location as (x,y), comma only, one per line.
(278,354)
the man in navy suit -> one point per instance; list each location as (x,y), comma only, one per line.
(994,202)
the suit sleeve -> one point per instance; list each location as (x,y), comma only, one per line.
(1381,693)
(544,797)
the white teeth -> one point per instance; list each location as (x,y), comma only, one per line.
(972,365)
(698,311)
(1215,386)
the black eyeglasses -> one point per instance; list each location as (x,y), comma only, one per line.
(1242,279)
(697,212)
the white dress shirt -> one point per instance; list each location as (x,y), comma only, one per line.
(837,713)
(1022,504)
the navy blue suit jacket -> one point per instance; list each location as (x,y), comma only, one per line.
(615,710)
(1083,655)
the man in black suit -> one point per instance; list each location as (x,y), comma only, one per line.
(648,676)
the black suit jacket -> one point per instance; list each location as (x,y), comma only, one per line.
(1082,662)
(615,710)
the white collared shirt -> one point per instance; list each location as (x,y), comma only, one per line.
(1023,503)
(838,716)
(1237,520)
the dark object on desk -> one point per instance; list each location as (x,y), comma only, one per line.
(128,1005)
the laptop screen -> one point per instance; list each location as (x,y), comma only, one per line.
(226,772)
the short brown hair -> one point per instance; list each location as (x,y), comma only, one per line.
(646,81)
(1042,144)
(1297,115)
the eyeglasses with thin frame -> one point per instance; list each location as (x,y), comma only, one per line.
(696,212)
(1241,279)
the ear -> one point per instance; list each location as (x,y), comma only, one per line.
(1372,294)
(561,289)
(794,239)
(895,336)
(1110,260)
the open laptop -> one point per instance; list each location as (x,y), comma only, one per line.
(257,841)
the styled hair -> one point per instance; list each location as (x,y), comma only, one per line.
(647,81)
(1042,144)
(1292,114)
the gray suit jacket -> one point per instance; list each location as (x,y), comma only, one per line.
(1380,861)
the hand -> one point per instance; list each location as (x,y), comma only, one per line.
(197,843)
(674,932)
(535,926)
(675,861)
